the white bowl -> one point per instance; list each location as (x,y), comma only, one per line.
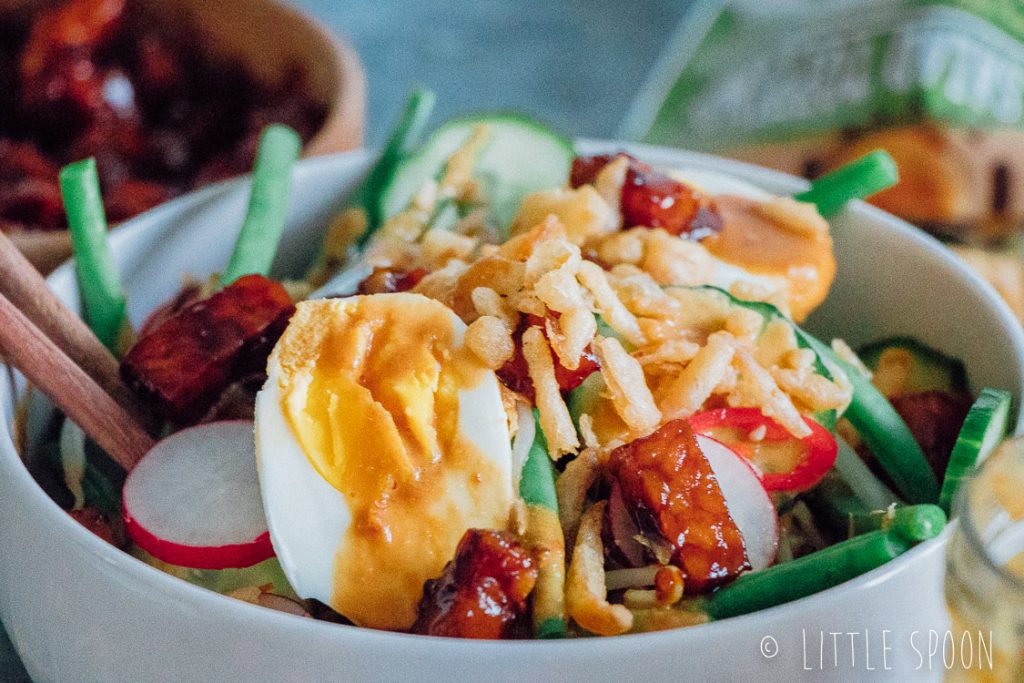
(79,610)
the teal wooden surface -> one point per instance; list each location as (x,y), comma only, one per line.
(576,64)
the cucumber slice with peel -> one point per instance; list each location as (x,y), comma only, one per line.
(983,429)
(822,365)
(877,422)
(521,156)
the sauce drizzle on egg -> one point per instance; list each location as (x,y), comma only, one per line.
(370,388)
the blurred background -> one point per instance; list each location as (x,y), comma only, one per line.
(575,64)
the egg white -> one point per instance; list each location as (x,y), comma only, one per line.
(306,516)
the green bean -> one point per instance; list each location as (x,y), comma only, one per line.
(537,482)
(914,523)
(403,139)
(257,241)
(545,537)
(807,575)
(885,433)
(98,280)
(858,179)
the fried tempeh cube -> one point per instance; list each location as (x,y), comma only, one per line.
(482,592)
(184,364)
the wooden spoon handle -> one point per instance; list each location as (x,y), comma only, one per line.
(27,290)
(32,352)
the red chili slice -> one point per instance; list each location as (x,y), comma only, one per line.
(785,462)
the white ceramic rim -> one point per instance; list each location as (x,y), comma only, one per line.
(337,634)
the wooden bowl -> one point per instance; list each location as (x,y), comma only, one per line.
(268,38)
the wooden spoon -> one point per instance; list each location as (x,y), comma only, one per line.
(32,352)
(27,291)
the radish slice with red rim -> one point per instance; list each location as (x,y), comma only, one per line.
(783,462)
(194,499)
(749,505)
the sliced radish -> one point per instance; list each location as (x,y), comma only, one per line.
(194,499)
(749,504)
(620,532)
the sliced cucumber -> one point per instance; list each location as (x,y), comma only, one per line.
(983,429)
(826,418)
(877,422)
(931,370)
(520,157)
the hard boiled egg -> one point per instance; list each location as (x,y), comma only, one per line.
(380,440)
(771,244)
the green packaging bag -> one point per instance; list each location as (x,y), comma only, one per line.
(804,85)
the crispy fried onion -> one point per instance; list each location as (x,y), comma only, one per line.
(586,594)
(490,340)
(627,387)
(572,486)
(554,416)
(694,385)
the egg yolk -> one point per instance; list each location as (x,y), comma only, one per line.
(370,387)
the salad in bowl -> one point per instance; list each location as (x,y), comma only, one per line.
(529,393)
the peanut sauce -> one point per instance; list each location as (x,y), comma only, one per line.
(379,421)
(755,242)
